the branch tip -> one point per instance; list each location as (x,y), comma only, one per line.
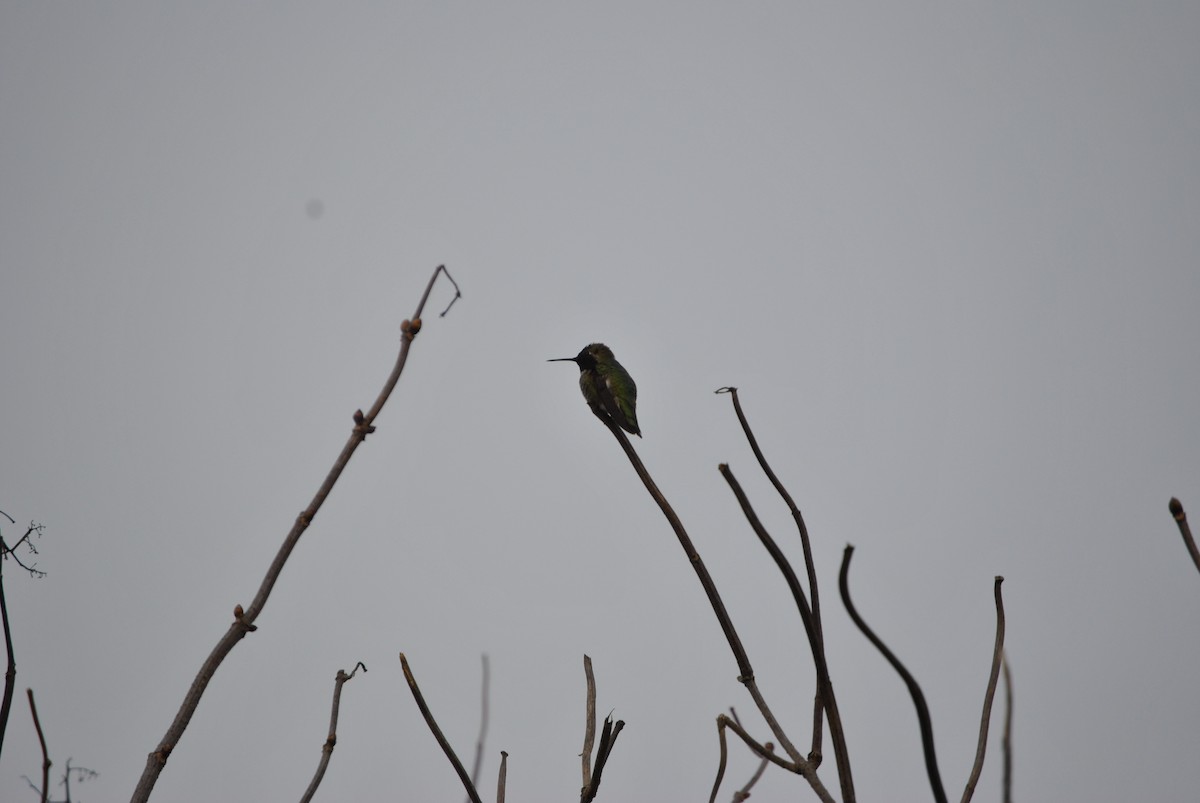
(1176,508)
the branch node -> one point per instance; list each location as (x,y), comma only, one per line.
(239,616)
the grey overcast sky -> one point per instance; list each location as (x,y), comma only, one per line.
(947,251)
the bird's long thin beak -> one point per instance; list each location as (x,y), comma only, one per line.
(561,359)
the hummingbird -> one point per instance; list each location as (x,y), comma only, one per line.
(609,389)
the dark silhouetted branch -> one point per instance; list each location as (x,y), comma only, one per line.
(1185,530)
(814,629)
(331,740)
(437,732)
(37,724)
(997,658)
(502,780)
(608,740)
(816,642)
(914,689)
(244,618)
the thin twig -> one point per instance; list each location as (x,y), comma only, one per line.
(244,619)
(503,778)
(997,657)
(1006,740)
(803,768)
(816,643)
(589,728)
(1185,530)
(815,632)
(437,732)
(724,755)
(37,724)
(914,689)
(331,740)
(744,792)
(483,725)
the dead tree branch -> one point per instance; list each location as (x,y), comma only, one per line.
(331,740)
(37,724)
(244,619)
(608,739)
(914,689)
(824,696)
(437,732)
(989,694)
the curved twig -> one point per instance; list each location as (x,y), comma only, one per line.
(914,689)
(1185,530)
(437,732)
(997,656)
(37,724)
(244,619)
(824,686)
(802,768)
(331,739)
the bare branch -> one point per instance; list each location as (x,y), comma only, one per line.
(914,689)
(744,792)
(816,643)
(37,724)
(608,740)
(331,740)
(437,732)
(997,657)
(503,779)
(1185,530)
(712,798)
(814,629)
(802,768)
(244,619)
(483,724)
(589,728)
